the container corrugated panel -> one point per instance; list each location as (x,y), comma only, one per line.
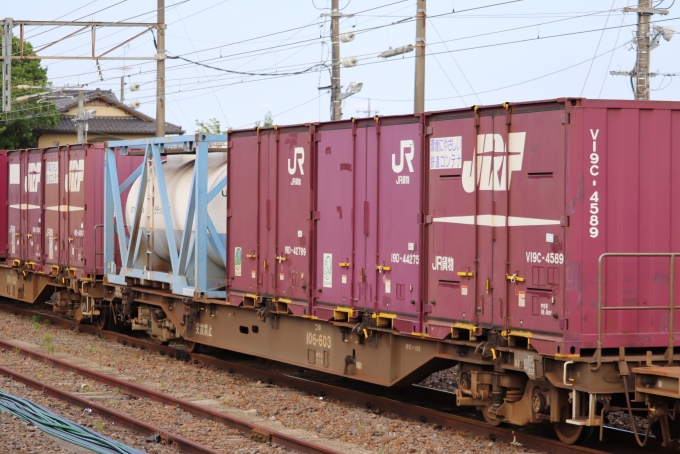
(623,196)
(269,224)
(55,207)
(24,208)
(3,199)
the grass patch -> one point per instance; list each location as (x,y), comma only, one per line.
(47,343)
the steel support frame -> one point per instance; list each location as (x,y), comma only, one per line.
(198,228)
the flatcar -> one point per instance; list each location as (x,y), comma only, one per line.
(533,244)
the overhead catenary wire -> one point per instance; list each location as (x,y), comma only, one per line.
(298,42)
(611,57)
(585,82)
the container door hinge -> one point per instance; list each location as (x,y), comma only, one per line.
(315,215)
(565,118)
(564,221)
(230,144)
(422,218)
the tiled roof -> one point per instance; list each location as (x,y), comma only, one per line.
(135,123)
(70,98)
(113,125)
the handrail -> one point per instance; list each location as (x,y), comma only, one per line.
(671,306)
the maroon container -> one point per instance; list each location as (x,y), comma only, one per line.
(55,209)
(447,223)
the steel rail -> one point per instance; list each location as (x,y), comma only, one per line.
(377,403)
(246,428)
(119,418)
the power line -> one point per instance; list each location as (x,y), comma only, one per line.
(597,48)
(623,18)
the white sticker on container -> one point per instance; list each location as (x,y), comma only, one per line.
(463,290)
(52,176)
(11,233)
(299,233)
(446,153)
(238,261)
(14,174)
(252,274)
(344,278)
(549,238)
(411,247)
(328,270)
(51,249)
(188,291)
(521,296)
(388,286)
(280,276)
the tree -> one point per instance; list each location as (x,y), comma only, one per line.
(211,126)
(268,120)
(21,127)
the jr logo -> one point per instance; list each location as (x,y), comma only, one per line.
(406,150)
(298,159)
(32,180)
(74,176)
(494,163)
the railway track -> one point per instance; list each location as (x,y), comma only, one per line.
(371,401)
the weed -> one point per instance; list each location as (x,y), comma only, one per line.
(99,425)
(47,343)
(93,348)
(16,350)
(117,391)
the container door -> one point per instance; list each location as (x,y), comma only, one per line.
(64,244)
(33,193)
(14,211)
(76,184)
(334,229)
(398,206)
(535,233)
(293,207)
(266,203)
(53,192)
(451,266)
(244,181)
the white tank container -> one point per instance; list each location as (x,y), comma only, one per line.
(178,171)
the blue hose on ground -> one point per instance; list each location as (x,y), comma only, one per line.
(60,427)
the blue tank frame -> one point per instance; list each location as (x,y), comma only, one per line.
(193,245)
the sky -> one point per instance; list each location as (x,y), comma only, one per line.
(479,52)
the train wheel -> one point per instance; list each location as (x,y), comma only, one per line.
(490,418)
(104,317)
(192,346)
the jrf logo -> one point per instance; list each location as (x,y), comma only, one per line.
(495,163)
(32,180)
(74,176)
(298,159)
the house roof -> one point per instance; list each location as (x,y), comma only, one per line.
(135,123)
(113,125)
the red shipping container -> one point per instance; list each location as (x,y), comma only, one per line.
(55,208)
(451,223)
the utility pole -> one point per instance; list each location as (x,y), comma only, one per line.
(122,88)
(368,111)
(7,34)
(419,92)
(335,71)
(160,71)
(82,117)
(644,42)
(79,123)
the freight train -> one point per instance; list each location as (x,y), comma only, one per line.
(533,244)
